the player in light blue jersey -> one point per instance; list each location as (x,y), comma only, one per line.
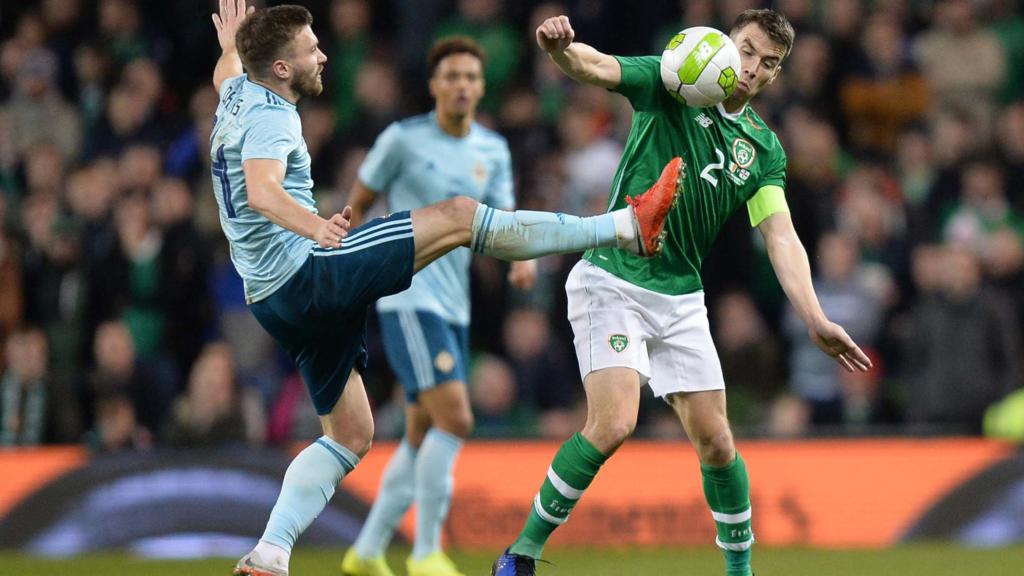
(414,163)
(308,288)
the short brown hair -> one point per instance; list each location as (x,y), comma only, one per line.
(774,24)
(265,34)
(449,45)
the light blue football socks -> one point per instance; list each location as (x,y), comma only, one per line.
(526,234)
(393,499)
(308,485)
(434,484)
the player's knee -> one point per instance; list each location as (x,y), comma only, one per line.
(356,440)
(460,209)
(459,424)
(609,434)
(716,449)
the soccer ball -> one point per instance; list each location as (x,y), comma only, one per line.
(700,66)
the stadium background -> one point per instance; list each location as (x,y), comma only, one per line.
(123,329)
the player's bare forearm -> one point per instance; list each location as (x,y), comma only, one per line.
(792,268)
(229,65)
(585,64)
(578,61)
(263,183)
(279,207)
(789,260)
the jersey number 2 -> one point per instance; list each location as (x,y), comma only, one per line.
(706,172)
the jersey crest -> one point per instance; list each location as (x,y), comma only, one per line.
(743,153)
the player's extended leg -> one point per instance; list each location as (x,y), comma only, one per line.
(613,399)
(451,423)
(397,487)
(311,479)
(525,234)
(726,484)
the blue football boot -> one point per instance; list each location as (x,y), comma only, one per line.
(509,564)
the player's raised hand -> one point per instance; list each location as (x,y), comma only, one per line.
(523,274)
(555,34)
(332,231)
(232,14)
(835,342)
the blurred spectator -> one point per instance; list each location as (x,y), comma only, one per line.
(982,210)
(847,298)
(116,427)
(187,155)
(546,376)
(52,267)
(807,81)
(915,168)
(350,47)
(127,280)
(751,358)
(11,283)
(64,31)
(591,156)
(884,92)
(377,93)
(1011,146)
(211,413)
(964,64)
(293,417)
(963,351)
(871,212)
(184,271)
(36,112)
(129,118)
(496,406)
(481,19)
(121,27)
(1007,22)
(119,373)
(318,130)
(35,408)
(91,68)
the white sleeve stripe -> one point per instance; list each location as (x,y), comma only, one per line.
(731,518)
(563,488)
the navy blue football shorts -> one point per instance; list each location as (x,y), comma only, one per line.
(424,350)
(319,315)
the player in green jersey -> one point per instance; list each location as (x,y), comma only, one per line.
(641,321)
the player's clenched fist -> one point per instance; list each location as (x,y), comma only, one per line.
(555,34)
(334,229)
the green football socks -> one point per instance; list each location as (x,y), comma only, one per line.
(727,491)
(570,473)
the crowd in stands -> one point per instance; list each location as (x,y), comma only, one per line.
(123,324)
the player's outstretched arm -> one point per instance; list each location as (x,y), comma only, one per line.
(578,61)
(789,260)
(232,14)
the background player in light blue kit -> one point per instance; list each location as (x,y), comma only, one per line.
(414,163)
(309,290)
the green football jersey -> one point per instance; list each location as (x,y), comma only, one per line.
(729,158)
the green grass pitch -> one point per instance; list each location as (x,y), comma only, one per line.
(923,560)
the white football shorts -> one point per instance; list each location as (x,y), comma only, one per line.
(664,338)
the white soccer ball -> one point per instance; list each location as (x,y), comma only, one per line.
(700,66)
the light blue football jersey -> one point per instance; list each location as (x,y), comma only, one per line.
(253,122)
(415,163)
